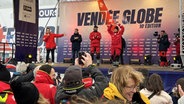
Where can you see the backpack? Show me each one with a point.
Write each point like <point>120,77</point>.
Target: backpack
<point>4,96</point>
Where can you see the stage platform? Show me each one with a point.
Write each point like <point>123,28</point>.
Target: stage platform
<point>168,74</point>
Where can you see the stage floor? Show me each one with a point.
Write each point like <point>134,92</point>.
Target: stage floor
<point>107,66</point>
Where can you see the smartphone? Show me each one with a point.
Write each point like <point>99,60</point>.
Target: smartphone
<point>80,57</point>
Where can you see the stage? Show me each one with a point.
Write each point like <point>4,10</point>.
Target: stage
<point>168,74</point>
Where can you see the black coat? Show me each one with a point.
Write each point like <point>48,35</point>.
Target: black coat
<point>163,43</point>
<point>76,43</point>
<point>95,91</point>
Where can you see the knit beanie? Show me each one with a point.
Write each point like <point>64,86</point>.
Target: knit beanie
<point>25,92</point>
<point>73,78</point>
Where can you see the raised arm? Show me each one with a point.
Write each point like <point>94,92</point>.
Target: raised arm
<point>58,35</point>
<point>122,29</point>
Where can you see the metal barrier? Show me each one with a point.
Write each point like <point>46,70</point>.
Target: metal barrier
<point>6,48</point>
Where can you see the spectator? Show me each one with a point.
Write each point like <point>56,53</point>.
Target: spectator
<point>72,82</point>
<point>27,93</point>
<point>175,92</point>
<point>154,90</point>
<point>5,89</point>
<point>181,93</point>
<point>123,85</point>
<point>145,73</point>
<point>44,81</point>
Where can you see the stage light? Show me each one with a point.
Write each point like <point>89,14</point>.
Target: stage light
<point>30,56</point>
<point>147,60</point>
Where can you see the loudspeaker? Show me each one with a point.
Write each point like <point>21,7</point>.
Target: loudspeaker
<point>67,60</point>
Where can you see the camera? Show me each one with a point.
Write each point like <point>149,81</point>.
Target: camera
<point>156,34</point>
<point>80,57</point>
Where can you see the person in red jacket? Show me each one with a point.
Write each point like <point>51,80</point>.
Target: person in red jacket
<point>5,88</point>
<point>44,81</point>
<point>116,44</point>
<point>177,44</point>
<point>49,39</point>
<point>95,38</point>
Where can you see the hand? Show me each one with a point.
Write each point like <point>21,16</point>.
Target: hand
<point>76,37</point>
<point>180,91</point>
<point>87,61</point>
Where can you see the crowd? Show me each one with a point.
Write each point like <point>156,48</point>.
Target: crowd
<point>84,84</point>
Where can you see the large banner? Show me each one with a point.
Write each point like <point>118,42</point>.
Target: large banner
<point>141,20</point>
<point>26,28</point>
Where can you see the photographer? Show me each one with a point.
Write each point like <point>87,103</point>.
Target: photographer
<point>163,46</point>
<point>72,82</point>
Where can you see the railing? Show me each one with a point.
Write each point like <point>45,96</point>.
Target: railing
<point>6,49</point>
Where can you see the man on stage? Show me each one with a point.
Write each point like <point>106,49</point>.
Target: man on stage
<point>49,39</point>
<point>116,44</point>
<point>95,38</point>
<point>163,46</point>
<point>76,40</point>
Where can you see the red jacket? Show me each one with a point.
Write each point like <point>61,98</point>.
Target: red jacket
<point>5,86</point>
<point>116,37</point>
<point>95,38</point>
<point>49,40</point>
<point>45,86</point>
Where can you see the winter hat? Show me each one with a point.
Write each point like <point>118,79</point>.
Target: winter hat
<point>30,67</point>
<point>4,73</point>
<point>25,92</point>
<point>73,78</point>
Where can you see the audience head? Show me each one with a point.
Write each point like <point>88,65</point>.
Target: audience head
<point>30,67</point>
<point>127,80</point>
<point>145,73</point>
<point>73,78</point>
<point>49,70</point>
<point>21,67</point>
<point>154,84</point>
<point>25,92</point>
<point>180,82</point>
<point>4,74</point>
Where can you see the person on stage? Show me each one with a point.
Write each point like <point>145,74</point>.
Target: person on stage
<point>95,38</point>
<point>163,46</point>
<point>122,50</point>
<point>76,40</point>
<point>177,44</point>
<point>49,39</point>
<point>116,44</point>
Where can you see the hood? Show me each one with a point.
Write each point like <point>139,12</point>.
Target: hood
<point>43,77</point>
<point>111,92</point>
<point>4,86</point>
